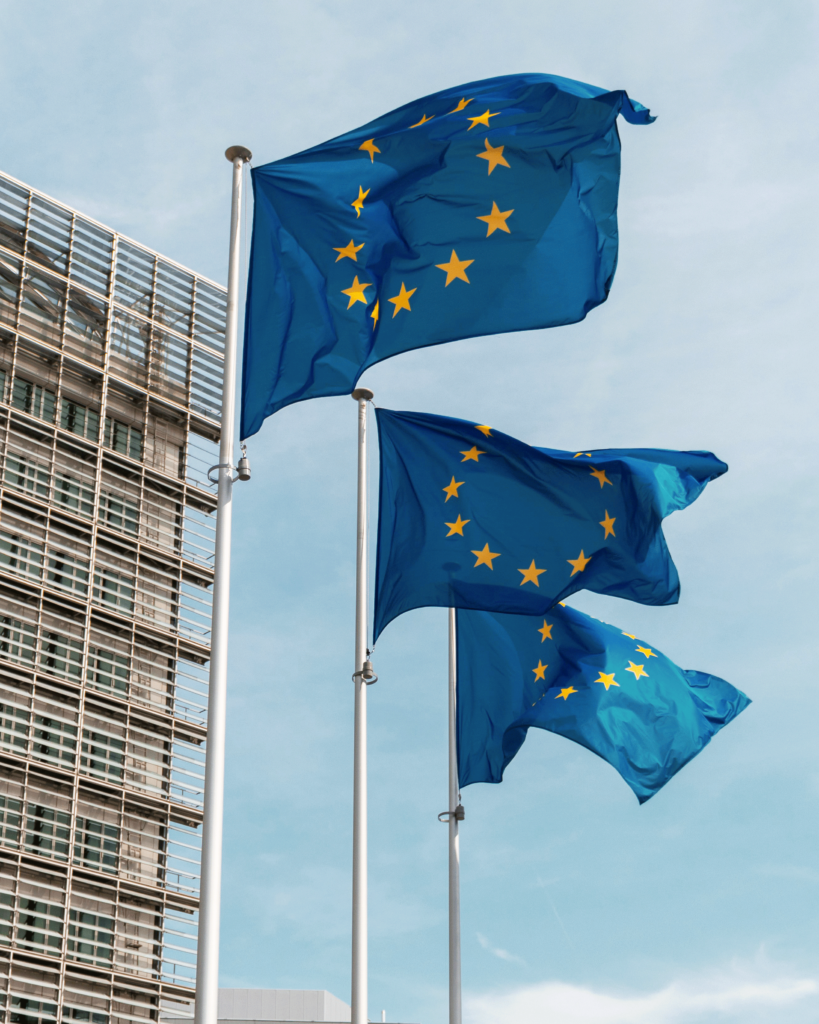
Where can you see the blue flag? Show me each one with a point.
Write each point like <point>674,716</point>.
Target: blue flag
<point>472,518</point>
<point>486,208</point>
<point>590,682</point>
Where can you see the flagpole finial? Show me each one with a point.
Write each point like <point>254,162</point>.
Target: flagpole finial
<point>364,393</point>
<point>241,151</point>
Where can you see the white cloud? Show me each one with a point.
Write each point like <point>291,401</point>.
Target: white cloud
<point>501,954</point>
<point>733,996</point>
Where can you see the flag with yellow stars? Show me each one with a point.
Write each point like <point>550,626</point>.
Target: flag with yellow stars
<point>487,208</point>
<point>472,518</point>
<point>572,675</point>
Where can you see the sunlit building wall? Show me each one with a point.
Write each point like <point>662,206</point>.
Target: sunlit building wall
<point>110,392</point>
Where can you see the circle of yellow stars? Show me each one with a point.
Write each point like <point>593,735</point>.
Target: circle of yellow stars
<point>605,679</point>
<point>531,574</point>
<point>485,556</point>
<point>456,268</point>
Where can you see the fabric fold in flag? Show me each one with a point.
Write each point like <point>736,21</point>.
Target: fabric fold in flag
<point>590,682</point>
<point>472,518</point>
<point>486,208</point>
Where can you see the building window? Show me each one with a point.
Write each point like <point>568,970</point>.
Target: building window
<point>47,831</point>
<point>33,399</point>
<point>102,755</point>
<point>79,419</point>
<point>39,924</point>
<point>6,916</point>
<point>26,475</point>
<point>74,1012</point>
<point>96,845</point>
<point>54,740</point>
<point>71,493</point>
<point>20,555</point>
<point>122,438</point>
<point>114,589</point>
<point>67,572</point>
<point>90,939</point>
<point>107,671</point>
<point>60,654</point>
<point>119,513</point>
<point>16,639</point>
<point>31,1011</point>
<point>11,819</point>
<point>13,738</point>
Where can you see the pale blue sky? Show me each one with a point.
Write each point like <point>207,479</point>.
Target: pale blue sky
<point>578,905</point>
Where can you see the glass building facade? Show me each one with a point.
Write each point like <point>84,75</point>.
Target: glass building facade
<point>111,362</point>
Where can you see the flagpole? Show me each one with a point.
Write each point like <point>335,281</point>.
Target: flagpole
<point>362,677</point>
<point>456,815</point>
<point>207,959</point>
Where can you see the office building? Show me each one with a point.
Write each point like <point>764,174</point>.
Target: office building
<point>110,391</point>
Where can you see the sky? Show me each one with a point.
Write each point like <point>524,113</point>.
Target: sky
<point>578,905</point>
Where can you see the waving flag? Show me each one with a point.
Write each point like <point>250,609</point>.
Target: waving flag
<point>472,518</point>
<point>486,208</point>
<point>580,678</point>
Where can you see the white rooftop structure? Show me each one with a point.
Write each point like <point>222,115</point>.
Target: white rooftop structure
<point>287,1005</point>
<point>281,1004</point>
<point>252,1005</point>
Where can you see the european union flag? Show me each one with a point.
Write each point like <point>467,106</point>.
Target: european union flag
<point>472,518</point>
<point>590,682</point>
<point>487,208</point>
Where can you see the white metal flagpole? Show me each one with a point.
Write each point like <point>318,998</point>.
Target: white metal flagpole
<point>362,676</point>
<point>207,959</point>
<point>456,815</point>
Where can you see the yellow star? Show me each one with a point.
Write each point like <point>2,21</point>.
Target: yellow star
<point>546,631</point>
<point>374,313</point>
<point>600,474</point>
<point>423,120</point>
<point>457,526</point>
<point>485,556</point>
<point>608,525</point>
<point>630,636</point>
<point>486,431</point>
<point>496,220</point>
<point>494,156</point>
<point>565,693</point>
<point>370,147</point>
<point>578,564</point>
<point>358,204</point>
<point>401,300</point>
<point>455,268</point>
<point>637,670</point>
<point>451,490</point>
<point>472,454</point>
<point>646,652</point>
<point>582,453</point>
<point>356,291</point>
<point>607,680</point>
<point>349,251</point>
<point>531,574</point>
<point>481,119</point>
<point>462,105</point>
<point>540,671</point>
